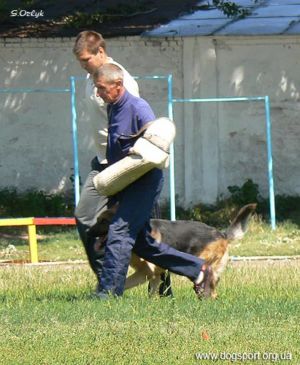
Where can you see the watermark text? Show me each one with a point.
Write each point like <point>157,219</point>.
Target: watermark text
<point>27,14</point>
<point>244,356</point>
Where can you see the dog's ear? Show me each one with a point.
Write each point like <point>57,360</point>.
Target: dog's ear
<point>155,233</point>
<point>103,222</point>
<point>108,214</point>
<point>105,216</point>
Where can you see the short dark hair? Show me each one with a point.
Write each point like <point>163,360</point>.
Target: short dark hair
<point>88,40</point>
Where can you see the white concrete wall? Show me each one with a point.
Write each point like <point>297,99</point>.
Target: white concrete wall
<point>231,136</point>
<point>217,144</point>
<point>36,140</point>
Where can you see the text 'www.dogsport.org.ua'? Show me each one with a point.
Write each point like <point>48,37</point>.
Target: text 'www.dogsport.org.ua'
<point>244,356</point>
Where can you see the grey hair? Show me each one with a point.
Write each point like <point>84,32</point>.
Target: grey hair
<point>110,72</point>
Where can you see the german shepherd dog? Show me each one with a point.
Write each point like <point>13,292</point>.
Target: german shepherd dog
<point>192,237</point>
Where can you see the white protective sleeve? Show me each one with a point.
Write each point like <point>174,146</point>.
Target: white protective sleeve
<point>149,151</point>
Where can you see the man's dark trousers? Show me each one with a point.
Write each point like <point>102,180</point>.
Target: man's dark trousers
<point>130,231</point>
<point>90,206</point>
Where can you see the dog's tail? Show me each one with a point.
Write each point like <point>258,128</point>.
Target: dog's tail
<point>239,226</point>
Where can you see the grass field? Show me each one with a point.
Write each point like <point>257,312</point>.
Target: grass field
<point>49,316</point>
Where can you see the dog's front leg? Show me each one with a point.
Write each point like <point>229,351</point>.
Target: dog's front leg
<point>135,279</point>
<point>143,271</point>
<point>154,286</point>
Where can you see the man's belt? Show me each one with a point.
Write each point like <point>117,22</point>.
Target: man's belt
<point>151,150</point>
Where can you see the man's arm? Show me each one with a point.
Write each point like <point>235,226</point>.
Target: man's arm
<point>145,114</point>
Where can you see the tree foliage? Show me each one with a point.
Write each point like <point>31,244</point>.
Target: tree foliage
<point>231,8</point>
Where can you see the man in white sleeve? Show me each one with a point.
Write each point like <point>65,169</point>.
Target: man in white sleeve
<point>90,50</point>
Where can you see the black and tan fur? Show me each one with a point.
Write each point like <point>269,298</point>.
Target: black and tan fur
<point>192,237</point>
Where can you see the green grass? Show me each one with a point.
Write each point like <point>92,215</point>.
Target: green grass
<point>55,246</point>
<point>48,316</point>
<point>260,240</point>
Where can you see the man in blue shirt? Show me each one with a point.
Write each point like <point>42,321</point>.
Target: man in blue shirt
<point>130,228</point>
<point>90,51</point>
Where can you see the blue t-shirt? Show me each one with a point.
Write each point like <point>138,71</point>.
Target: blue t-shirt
<point>125,118</point>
